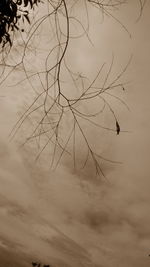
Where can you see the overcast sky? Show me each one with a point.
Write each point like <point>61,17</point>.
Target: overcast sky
<point>68,218</point>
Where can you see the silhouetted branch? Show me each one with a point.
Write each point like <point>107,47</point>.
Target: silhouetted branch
<point>64,95</point>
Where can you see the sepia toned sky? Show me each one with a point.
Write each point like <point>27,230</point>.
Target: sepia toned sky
<point>69,218</point>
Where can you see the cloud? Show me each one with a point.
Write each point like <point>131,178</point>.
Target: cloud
<point>68,218</point>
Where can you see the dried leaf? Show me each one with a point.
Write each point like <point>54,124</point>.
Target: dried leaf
<point>117,127</point>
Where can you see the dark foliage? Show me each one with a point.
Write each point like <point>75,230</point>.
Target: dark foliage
<point>10,14</point>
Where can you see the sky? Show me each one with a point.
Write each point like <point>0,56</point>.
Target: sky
<point>67,217</point>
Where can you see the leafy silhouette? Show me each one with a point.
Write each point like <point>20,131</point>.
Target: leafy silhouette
<point>10,14</point>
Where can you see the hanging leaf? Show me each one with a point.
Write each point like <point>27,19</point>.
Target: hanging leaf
<point>27,18</point>
<point>31,4</point>
<point>117,127</point>
<point>26,3</point>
